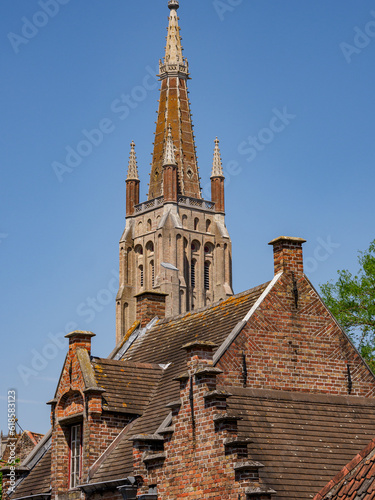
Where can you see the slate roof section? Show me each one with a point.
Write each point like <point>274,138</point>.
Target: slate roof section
<point>303,440</point>
<point>355,481</point>
<point>38,480</point>
<point>128,385</point>
<point>163,344</point>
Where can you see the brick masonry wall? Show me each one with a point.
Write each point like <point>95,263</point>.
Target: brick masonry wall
<point>197,464</point>
<point>295,348</point>
<point>99,428</point>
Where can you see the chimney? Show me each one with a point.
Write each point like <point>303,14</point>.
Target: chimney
<point>80,339</point>
<point>150,305</point>
<point>287,254</point>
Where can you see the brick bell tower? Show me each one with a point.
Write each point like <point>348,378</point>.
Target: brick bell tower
<point>175,243</point>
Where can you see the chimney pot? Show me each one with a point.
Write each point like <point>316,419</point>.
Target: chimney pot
<point>80,338</point>
<point>287,254</point>
<point>149,305</point>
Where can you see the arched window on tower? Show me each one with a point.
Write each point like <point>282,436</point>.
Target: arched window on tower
<point>152,273</point>
<point>208,225</point>
<point>192,273</point>
<point>140,276</point>
<point>196,224</point>
<point>206,275</point>
<point>149,225</point>
<point>125,317</point>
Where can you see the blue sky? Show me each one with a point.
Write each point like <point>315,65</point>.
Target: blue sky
<point>251,62</point>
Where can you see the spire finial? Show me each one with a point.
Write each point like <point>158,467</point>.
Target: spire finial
<point>173,49</point>
<point>169,156</point>
<point>217,166</point>
<point>132,166</point>
<point>173,4</point>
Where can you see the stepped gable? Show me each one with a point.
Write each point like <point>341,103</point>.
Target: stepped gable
<point>38,480</point>
<point>163,344</point>
<point>302,439</point>
<point>129,386</point>
<point>356,480</point>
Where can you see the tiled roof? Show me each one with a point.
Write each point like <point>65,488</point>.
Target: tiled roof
<point>38,481</point>
<point>163,344</point>
<point>128,385</point>
<point>355,481</point>
<point>303,440</point>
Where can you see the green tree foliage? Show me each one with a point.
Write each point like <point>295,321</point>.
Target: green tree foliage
<point>352,301</point>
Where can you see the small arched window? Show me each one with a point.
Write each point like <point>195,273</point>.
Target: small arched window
<point>139,250</point>
<point>125,317</point>
<point>152,273</point>
<point>149,225</point>
<point>140,274</point>
<point>208,225</point>
<point>196,224</point>
<point>192,273</point>
<point>206,275</point>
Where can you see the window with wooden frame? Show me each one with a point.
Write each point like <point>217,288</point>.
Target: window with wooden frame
<point>75,455</point>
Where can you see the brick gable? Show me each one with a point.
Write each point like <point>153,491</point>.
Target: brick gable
<point>296,348</point>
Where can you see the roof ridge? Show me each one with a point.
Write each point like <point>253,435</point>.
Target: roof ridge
<point>214,304</point>
<point>301,397</point>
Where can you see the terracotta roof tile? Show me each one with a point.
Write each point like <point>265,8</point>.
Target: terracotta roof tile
<point>38,480</point>
<point>303,440</point>
<point>128,385</point>
<point>162,344</point>
<point>355,481</point>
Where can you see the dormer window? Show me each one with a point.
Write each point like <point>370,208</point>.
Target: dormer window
<point>75,455</point>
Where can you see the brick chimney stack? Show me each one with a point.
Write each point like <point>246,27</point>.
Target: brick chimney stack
<point>287,254</point>
<point>150,305</point>
<point>80,339</point>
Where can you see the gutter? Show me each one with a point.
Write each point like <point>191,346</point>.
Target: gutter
<point>106,485</point>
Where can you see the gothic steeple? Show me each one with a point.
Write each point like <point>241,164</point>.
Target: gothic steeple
<point>217,180</point>
<point>175,250</point>
<point>217,166</point>
<point>174,109</point>
<point>132,182</point>
<point>132,165</point>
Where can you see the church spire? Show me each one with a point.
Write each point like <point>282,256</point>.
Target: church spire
<point>217,180</point>
<point>132,183</point>
<point>217,166</point>
<point>174,110</point>
<point>169,170</point>
<point>169,156</point>
<point>173,49</point>
<point>132,165</point>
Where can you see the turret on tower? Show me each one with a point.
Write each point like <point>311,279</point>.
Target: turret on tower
<point>175,226</point>
<point>132,182</point>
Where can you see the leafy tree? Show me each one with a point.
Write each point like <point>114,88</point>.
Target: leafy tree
<point>352,301</point>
